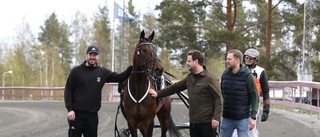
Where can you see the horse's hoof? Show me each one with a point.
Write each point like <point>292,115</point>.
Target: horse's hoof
<point>124,132</point>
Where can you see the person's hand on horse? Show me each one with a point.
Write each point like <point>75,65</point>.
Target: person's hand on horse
<point>71,115</point>
<point>153,93</point>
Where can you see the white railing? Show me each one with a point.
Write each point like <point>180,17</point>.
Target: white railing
<point>293,94</point>
<point>296,94</point>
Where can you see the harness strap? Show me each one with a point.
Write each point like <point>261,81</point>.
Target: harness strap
<point>122,106</point>
<point>159,105</point>
<point>144,96</point>
<point>116,131</point>
<point>170,75</point>
<point>160,101</point>
<point>137,71</point>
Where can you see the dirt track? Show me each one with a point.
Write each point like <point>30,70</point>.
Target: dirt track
<point>48,119</point>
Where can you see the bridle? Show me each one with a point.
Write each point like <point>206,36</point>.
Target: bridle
<point>158,82</point>
<point>150,72</point>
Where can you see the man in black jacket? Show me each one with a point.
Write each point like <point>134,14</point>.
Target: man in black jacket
<point>82,93</point>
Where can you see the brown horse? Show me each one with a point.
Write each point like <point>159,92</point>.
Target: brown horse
<point>139,107</point>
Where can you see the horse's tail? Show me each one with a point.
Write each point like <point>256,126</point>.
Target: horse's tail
<point>173,130</point>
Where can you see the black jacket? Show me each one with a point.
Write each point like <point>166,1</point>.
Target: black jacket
<point>84,84</point>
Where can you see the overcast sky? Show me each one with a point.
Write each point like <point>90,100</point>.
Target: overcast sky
<point>35,12</point>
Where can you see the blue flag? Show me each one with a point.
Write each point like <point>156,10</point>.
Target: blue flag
<point>118,14</point>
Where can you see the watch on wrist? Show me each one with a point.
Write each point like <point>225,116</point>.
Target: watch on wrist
<point>254,118</point>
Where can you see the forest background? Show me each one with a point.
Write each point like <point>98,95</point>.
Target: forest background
<point>274,28</point>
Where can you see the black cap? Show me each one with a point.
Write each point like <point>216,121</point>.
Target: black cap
<point>92,49</point>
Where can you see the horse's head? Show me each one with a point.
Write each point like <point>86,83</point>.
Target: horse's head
<point>146,57</point>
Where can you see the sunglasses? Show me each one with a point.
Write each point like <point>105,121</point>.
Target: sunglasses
<point>250,58</point>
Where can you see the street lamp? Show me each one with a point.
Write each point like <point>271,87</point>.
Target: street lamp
<point>10,71</point>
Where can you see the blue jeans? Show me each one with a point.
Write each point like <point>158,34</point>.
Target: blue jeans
<point>228,125</point>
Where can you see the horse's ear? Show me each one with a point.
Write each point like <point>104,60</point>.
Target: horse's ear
<point>151,36</point>
<point>142,34</point>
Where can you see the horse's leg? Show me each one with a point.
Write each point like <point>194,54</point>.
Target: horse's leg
<point>163,116</point>
<point>164,123</point>
<point>133,129</point>
<point>132,122</point>
<point>146,127</point>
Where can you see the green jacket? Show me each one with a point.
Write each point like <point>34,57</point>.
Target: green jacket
<point>205,98</point>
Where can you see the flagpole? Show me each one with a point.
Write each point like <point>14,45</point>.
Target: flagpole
<point>113,39</point>
<point>125,16</point>
<point>122,51</point>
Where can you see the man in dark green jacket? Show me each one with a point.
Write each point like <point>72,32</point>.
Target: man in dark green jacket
<point>204,93</point>
<point>240,102</point>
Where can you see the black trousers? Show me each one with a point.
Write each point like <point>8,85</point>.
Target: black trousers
<point>86,124</point>
<point>202,130</point>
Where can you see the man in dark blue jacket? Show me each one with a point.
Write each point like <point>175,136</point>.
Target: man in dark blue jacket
<point>82,93</point>
<point>240,99</point>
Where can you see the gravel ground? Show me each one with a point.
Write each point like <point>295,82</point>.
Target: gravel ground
<point>282,123</point>
<point>48,119</point>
